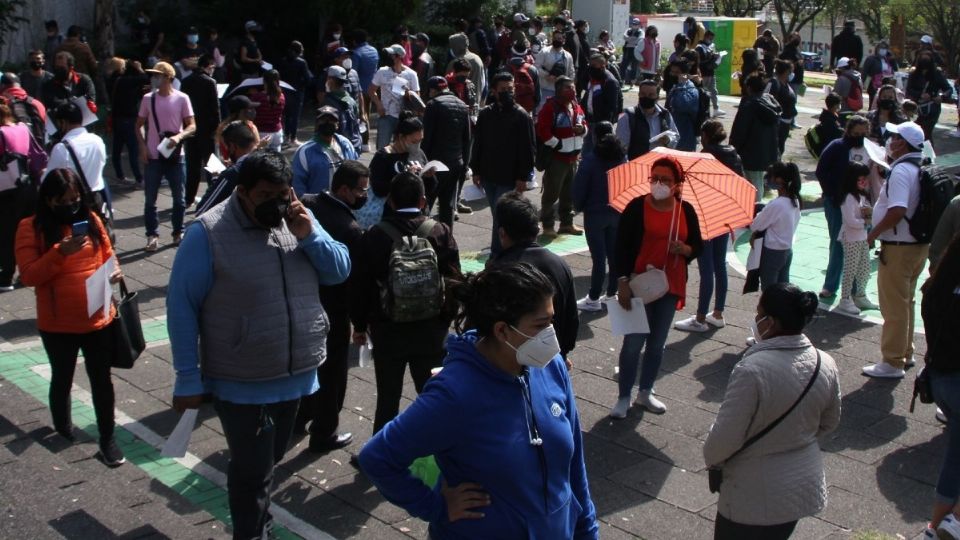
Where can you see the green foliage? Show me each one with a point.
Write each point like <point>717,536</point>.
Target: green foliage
<point>10,18</point>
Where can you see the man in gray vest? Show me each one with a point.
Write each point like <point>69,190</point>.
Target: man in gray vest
<point>246,323</point>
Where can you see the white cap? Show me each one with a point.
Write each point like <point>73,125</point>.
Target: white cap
<point>337,72</point>
<point>251,25</point>
<point>909,131</point>
<point>843,62</point>
<point>520,18</point>
<point>927,39</point>
<point>395,50</point>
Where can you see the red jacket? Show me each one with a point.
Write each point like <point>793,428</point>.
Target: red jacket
<point>555,126</point>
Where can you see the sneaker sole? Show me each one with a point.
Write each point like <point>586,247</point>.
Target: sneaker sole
<point>111,464</point>
<point>877,376</point>
<point>590,309</point>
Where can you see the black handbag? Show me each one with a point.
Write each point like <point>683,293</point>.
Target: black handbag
<point>715,474</point>
<point>175,153</point>
<point>128,342</point>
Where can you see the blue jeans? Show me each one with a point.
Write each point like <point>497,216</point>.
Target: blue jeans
<point>125,136</point>
<point>600,228</point>
<point>628,66</point>
<point>775,267</point>
<point>291,113</point>
<point>494,192</point>
<point>831,211</point>
<point>386,125</point>
<point>660,317</point>
<point>174,172</point>
<point>946,392</point>
<point>713,266</point>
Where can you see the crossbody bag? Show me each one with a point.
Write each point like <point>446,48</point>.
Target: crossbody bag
<point>652,284</point>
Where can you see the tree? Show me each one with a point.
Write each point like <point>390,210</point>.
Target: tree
<point>738,8</point>
<point>10,17</point>
<point>800,13</point>
<point>943,18</point>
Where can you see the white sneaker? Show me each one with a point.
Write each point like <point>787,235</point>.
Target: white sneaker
<point>883,370</point>
<point>719,112</point>
<point>715,322</point>
<point>532,185</point>
<point>942,418</point>
<point>588,304</point>
<point>863,302</point>
<point>910,362</point>
<point>847,306</point>
<point>153,243</point>
<point>691,325</point>
<point>650,403</point>
<point>955,134</point>
<point>949,528</point>
<point>620,409</point>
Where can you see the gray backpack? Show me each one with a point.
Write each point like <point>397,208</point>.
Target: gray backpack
<point>413,290</point>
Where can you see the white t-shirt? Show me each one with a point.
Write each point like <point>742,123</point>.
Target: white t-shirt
<point>860,155</point>
<point>901,190</point>
<point>780,219</point>
<point>91,153</point>
<point>391,92</point>
<point>854,226</point>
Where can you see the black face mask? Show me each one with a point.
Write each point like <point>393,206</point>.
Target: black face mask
<point>597,73</point>
<point>358,202</point>
<point>557,44</point>
<point>270,213</point>
<point>925,64</point>
<point>61,73</point>
<point>37,65</point>
<point>887,104</point>
<point>647,102</point>
<point>66,213</point>
<point>856,142</point>
<point>506,99</point>
<point>326,130</point>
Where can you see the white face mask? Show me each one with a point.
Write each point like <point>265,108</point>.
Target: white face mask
<point>660,192</point>
<point>336,36</point>
<point>755,330</point>
<point>155,82</point>
<point>888,146</point>
<point>538,350</point>
<point>347,64</point>
<point>532,31</point>
<point>790,78</point>
<point>882,52</point>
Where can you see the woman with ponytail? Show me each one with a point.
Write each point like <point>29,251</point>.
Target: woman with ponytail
<point>269,119</point>
<point>778,222</point>
<point>768,486</point>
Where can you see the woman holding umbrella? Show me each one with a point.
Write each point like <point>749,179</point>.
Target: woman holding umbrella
<point>658,233</point>
<point>269,117</point>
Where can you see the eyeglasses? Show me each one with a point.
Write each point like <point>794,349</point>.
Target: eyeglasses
<point>665,180</point>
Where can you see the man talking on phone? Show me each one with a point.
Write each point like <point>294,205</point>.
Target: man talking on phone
<point>246,323</point>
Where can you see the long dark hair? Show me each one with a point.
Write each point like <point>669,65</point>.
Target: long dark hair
<point>851,176</point>
<point>501,293</point>
<point>790,174</point>
<point>792,307</point>
<point>271,84</point>
<point>54,185</point>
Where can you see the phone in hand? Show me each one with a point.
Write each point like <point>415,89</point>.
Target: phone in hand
<point>80,228</point>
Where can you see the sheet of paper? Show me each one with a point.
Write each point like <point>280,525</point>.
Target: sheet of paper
<point>399,86</point>
<point>876,152</point>
<point>753,259</point>
<point>435,165</point>
<point>267,66</point>
<point>179,440</point>
<point>51,129</point>
<point>928,152</point>
<point>88,116</point>
<point>221,90</point>
<point>99,290</point>
<point>214,165</point>
<point>672,134</point>
<point>472,193</point>
<point>164,149</point>
<point>623,322</point>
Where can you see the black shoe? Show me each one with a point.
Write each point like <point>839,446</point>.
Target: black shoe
<point>110,454</point>
<point>464,209</point>
<point>66,432</point>
<point>355,461</point>
<point>333,442</point>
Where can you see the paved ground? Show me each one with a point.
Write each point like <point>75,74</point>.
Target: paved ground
<point>646,472</point>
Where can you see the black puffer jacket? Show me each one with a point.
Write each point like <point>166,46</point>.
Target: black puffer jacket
<point>446,130</point>
<point>727,155</point>
<point>754,132</point>
<point>940,309</point>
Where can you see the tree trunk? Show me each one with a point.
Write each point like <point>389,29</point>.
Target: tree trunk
<point>104,31</point>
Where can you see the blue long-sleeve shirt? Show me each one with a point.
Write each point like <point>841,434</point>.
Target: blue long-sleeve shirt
<point>312,167</point>
<point>191,280</point>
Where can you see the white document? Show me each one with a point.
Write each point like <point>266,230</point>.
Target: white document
<point>877,153</point>
<point>366,353</point>
<point>928,152</point>
<point>165,150</point>
<point>99,290</point>
<point>267,66</point>
<point>221,90</point>
<point>435,165</point>
<point>623,322</point>
<point>671,133</point>
<point>399,86</point>
<point>214,165</point>
<point>472,193</point>
<point>753,259</point>
<point>720,57</point>
<point>177,442</point>
<point>88,116</point>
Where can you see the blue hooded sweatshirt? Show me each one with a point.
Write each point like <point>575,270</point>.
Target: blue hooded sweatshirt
<point>476,420</point>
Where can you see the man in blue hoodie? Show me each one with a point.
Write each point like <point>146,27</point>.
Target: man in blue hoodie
<point>315,162</point>
<point>246,323</point>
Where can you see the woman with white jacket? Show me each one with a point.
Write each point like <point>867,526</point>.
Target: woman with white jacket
<point>778,479</point>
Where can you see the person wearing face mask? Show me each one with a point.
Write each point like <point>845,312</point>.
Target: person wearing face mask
<point>336,96</point>
<point>878,65</point>
<point>754,131</point>
<point>258,325</point>
<point>582,63</point>
<point>887,111</point>
<point>780,88</point>
<point>769,486</point>
<point>846,44</point>
<point>201,88</point>
<point>562,127</point>
<point>423,62</point>
<point>66,83</point>
<point>830,169</point>
<point>126,90</point>
<point>791,53</point>
<point>86,62</point>
<point>778,223</point>
<point>239,140</point>
<point>239,108</point>
<point>315,162</point>
<point>57,265</point>
<point>460,52</point>
<point>390,86</point>
<point>849,86</point>
<point>518,464</point>
<point>447,138</point>
<point>856,210</point>
<point>190,50</point>
<point>645,122</point>
<point>603,97</point>
<point>334,210</point>
<point>633,37</point>
<point>551,64</point>
<point>648,55</point>
<point>708,59</point>
<point>249,55</point>
<point>398,343</point>
<point>656,230</point>
<point>35,76</point>
<point>927,86</point>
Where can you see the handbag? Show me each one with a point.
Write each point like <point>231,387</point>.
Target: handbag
<point>175,153</point>
<point>715,474</point>
<point>652,284</point>
<point>128,342</point>
<point>23,182</point>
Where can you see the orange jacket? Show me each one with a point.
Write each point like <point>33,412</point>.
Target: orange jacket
<point>60,281</point>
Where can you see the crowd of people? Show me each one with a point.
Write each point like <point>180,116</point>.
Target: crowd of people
<point>296,250</point>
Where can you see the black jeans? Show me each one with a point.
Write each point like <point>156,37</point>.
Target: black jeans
<point>125,136</point>
<point>9,220</point>
<point>323,406</point>
<point>730,530</point>
<point>257,437</point>
<point>447,193</point>
<point>62,352</point>
<point>389,369</point>
<point>198,152</point>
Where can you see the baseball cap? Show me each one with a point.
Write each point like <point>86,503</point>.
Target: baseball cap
<point>843,62</point>
<point>337,72</point>
<point>240,103</point>
<point>909,131</point>
<point>634,21</point>
<point>395,50</point>
<point>422,37</point>
<point>436,83</point>
<point>68,111</point>
<point>520,18</point>
<point>927,39</point>
<point>9,79</point>
<point>251,25</point>
<point>340,51</point>
<point>328,112</point>
<point>163,68</point>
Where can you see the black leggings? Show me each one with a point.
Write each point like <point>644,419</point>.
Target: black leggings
<point>730,530</point>
<point>62,351</point>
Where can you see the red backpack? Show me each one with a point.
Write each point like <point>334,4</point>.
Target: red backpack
<point>524,89</point>
<point>855,97</point>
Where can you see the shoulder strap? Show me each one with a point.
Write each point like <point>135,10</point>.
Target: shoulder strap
<point>76,163</point>
<point>393,232</point>
<point>156,120</point>
<point>425,228</point>
<point>769,428</point>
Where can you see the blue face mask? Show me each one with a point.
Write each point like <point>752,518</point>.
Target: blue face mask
<point>193,39</point>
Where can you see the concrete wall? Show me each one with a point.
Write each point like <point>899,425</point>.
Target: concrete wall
<point>31,34</point>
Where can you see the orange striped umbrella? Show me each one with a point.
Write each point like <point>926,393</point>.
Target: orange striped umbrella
<point>723,199</point>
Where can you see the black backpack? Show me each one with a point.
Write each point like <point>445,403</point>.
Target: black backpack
<point>937,189</point>
<point>25,110</point>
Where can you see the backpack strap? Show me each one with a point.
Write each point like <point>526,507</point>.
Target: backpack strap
<point>84,186</point>
<point>394,233</point>
<point>425,228</point>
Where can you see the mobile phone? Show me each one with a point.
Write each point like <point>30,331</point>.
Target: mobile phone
<point>80,228</point>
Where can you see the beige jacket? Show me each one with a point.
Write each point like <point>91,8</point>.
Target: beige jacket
<point>780,477</point>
